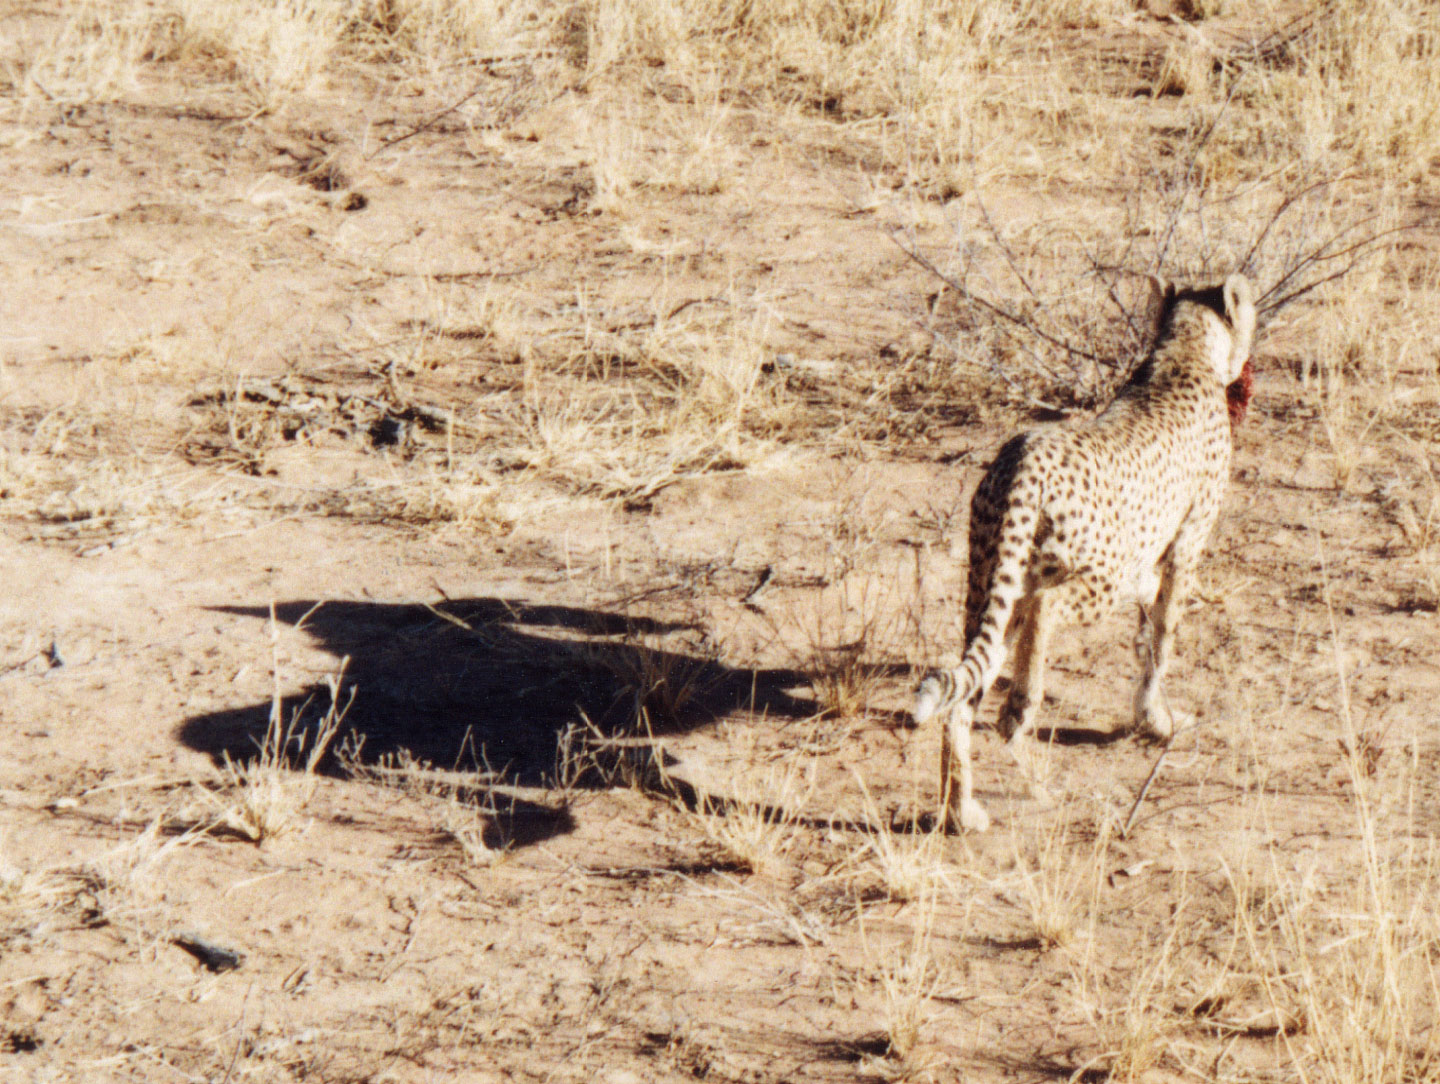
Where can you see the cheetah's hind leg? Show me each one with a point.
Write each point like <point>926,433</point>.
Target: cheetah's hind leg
<point>958,808</point>
<point>1016,721</point>
<point>1032,625</point>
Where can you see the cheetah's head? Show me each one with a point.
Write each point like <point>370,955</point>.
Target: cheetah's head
<point>1230,320</point>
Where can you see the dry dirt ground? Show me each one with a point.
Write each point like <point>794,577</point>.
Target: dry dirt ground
<point>419,394</point>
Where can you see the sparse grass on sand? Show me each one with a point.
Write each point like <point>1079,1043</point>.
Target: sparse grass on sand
<point>654,347</point>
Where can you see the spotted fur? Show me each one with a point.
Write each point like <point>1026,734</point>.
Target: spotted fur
<point>1072,520</point>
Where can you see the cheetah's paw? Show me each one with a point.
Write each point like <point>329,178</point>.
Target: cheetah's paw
<point>973,817</point>
<point>1161,724</point>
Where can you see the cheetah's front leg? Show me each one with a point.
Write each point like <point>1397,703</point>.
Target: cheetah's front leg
<point>1155,638</point>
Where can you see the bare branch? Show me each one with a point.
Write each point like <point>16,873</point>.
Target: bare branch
<point>1020,322</point>
<point>1280,211</point>
<point>1145,786</point>
<point>1357,252</point>
<point>1004,248</point>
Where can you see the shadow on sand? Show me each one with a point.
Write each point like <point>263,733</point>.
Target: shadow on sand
<point>496,684</point>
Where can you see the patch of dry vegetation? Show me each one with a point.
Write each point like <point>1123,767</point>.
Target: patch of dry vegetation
<point>932,105</point>
<point>263,796</point>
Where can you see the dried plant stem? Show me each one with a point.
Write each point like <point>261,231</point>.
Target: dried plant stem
<point>1145,787</point>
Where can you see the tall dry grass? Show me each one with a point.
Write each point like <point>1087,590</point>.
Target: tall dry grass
<point>935,89</point>
<point>1364,83</point>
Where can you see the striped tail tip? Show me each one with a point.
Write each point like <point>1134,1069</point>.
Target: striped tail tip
<point>928,698</point>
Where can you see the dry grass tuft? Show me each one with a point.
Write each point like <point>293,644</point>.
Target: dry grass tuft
<point>909,978</point>
<point>1059,888</point>
<point>265,796</point>
<point>911,865</point>
<point>763,819</point>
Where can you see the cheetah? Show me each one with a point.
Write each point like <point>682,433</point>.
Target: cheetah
<point>1072,520</point>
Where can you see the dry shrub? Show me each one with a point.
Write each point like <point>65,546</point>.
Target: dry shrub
<point>1350,967</point>
<point>95,53</point>
<point>463,501</point>
<point>909,982</point>
<point>624,416</point>
<point>944,83</point>
<point>435,30</point>
<point>851,633</point>
<point>1060,891</point>
<point>911,864</point>
<point>278,49</point>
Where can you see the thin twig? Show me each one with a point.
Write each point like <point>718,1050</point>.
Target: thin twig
<point>1279,213</point>
<point>1109,275</point>
<point>15,669</point>
<point>1149,779</point>
<point>1004,248</point>
<point>426,125</point>
<point>1359,250</point>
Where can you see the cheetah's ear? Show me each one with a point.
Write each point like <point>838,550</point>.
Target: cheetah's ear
<point>1240,311</point>
<point>1239,298</point>
<point>1162,293</point>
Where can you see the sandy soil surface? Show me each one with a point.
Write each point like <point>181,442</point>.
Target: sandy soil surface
<point>384,397</point>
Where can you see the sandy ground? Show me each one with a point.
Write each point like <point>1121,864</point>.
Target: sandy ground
<point>385,401</point>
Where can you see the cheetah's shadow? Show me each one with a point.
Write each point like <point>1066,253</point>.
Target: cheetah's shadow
<point>498,684</point>
<point>1079,735</point>
<point>1052,733</point>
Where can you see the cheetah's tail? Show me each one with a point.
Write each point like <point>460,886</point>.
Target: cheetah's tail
<point>941,690</point>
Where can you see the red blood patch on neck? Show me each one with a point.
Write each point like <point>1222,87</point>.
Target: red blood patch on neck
<point>1237,395</point>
